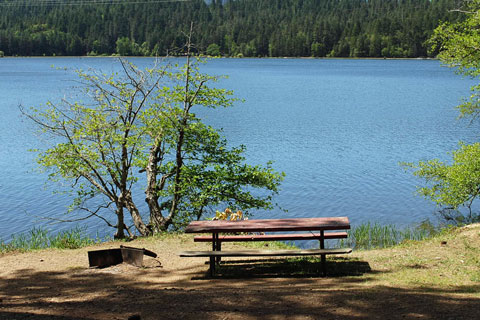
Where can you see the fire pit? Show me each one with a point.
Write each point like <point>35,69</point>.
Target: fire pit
<point>110,257</point>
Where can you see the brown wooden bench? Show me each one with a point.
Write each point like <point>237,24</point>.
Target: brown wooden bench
<point>264,253</point>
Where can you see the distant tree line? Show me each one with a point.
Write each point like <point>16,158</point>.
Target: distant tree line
<point>249,28</point>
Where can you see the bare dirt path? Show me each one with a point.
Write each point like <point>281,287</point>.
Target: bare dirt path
<point>57,284</point>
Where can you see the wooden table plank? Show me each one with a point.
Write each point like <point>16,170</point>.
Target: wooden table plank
<point>269,225</point>
<point>265,253</point>
<point>272,237</point>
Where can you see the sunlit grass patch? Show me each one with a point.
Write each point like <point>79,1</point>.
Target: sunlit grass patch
<point>448,259</point>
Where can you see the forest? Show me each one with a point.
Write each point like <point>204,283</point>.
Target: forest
<point>232,28</point>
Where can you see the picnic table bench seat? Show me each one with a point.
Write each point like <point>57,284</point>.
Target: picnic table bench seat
<point>263,253</point>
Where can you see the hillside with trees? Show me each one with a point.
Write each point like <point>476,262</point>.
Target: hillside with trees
<point>249,28</point>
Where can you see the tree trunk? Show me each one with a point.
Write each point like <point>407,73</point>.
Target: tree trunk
<point>136,217</point>
<point>120,224</point>
<point>178,171</point>
<point>151,197</point>
<point>158,223</point>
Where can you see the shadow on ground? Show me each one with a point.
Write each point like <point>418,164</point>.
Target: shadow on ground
<point>34,316</point>
<point>84,294</point>
<point>291,268</point>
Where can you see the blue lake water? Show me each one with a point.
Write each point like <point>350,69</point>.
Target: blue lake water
<point>337,128</point>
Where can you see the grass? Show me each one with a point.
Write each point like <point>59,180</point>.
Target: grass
<point>449,258</point>
<point>269,245</point>
<point>366,236</point>
<point>40,238</point>
<point>424,256</point>
<point>370,236</point>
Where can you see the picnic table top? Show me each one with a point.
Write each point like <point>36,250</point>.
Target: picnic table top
<point>269,225</point>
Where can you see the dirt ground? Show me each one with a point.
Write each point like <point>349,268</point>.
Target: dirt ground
<point>58,284</point>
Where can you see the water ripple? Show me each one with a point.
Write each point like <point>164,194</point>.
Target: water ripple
<point>337,128</point>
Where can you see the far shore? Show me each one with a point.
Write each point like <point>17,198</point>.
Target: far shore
<point>226,57</point>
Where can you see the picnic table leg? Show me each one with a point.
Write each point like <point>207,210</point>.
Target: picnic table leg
<point>212,267</point>
<point>214,248</point>
<point>219,247</point>
<point>322,246</point>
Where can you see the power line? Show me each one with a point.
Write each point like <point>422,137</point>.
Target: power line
<point>38,3</point>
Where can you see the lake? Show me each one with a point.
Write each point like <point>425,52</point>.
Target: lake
<point>337,128</point>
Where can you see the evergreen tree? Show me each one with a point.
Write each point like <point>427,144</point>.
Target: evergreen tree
<point>347,28</point>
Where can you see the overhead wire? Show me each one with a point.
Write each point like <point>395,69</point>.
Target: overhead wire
<point>38,3</point>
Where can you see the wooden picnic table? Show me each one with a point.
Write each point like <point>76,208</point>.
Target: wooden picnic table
<point>217,227</point>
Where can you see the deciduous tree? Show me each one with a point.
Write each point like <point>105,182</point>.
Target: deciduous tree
<point>456,185</point>
<point>138,128</point>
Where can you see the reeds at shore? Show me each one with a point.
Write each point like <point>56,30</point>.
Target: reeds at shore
<point>374,235</point>
<point>364,237</point>
<point>40,238</point>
